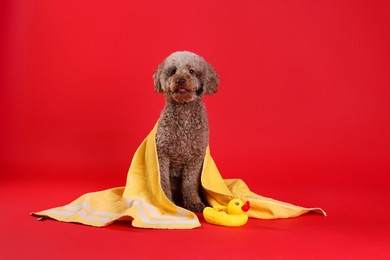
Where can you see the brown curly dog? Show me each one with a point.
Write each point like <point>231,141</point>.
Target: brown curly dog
<point>183,134</point>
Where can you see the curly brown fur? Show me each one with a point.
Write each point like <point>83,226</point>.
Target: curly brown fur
<point>183,134</point>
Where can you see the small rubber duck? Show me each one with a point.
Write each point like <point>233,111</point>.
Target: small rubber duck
<point>234,215</point>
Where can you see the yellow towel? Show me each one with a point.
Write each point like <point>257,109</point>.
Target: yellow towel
<point>143,201</point>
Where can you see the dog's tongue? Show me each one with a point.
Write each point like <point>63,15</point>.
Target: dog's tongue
<point>182,90</point>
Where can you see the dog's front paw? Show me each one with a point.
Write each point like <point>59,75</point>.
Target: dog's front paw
<point>195,207</point>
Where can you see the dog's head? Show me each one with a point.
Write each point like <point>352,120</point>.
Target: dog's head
<point>184,77</point>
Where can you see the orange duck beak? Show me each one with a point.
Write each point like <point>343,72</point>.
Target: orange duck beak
<point>246,206</point>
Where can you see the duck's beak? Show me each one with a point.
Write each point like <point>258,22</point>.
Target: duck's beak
<point>246,206</point>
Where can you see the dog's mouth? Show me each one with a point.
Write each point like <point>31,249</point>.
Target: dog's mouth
<point>186,90</point>
<point>183,94</point>
<point>181,90</point>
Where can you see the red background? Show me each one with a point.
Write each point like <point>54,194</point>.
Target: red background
<point>302,115</point>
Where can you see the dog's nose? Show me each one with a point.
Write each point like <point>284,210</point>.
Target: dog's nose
<point>181,81</point>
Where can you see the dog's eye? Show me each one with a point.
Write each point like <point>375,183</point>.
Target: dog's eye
<point>192,71</point>
<point>172,72</point>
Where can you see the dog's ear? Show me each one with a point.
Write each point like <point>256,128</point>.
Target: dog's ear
<point>156,78</point>
<point>210,80</point>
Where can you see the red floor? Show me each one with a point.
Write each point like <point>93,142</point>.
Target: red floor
<point>357,227</point>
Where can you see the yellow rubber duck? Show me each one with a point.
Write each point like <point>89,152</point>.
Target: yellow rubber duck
<point>234,215</point>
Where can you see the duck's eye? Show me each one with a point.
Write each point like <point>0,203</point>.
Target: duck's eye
<point>192,71</point>
<point>172,72</point>
<point>237,203</point>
